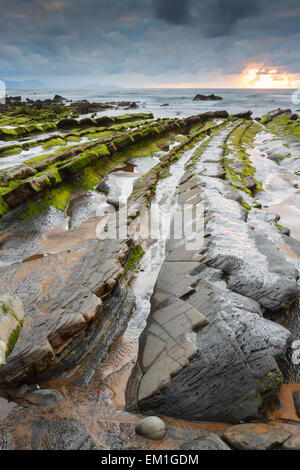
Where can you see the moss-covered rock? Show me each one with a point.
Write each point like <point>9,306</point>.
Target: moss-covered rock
<point>11,321</point>
<point>38,175</point>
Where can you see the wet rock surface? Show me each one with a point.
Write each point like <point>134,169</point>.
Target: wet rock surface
<point>45,339</point>
<point>209,442</point>
<point>228,281</point>
<point>58,435</point>
<point>255,437</point>
<point>223,327</point>
<point>85,300</point>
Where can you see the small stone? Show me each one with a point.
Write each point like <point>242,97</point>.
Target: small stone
<point>152,428</point>
<point>296,396</point>
<point>255,436</point>
<point>293,443</point>
<point>44,397</point>
<point>209,442</point>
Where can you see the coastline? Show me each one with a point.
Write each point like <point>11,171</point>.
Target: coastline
<point>51,251</point>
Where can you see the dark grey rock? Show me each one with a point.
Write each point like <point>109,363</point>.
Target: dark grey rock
<point>245,115</point>
<point>296,397</point>
<point>211,97</point>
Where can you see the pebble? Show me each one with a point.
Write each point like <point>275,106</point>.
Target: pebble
<point>152,428</point>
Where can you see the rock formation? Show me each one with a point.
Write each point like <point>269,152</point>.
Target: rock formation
<point>211,97</point>
<point>207,352</point>
<point>223,325</point>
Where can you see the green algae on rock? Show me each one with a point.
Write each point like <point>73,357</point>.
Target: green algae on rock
<point>74,160</point>
<point>11,321</point>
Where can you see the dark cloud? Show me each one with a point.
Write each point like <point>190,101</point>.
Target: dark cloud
<point>213,18</point>
<point>173,11</point>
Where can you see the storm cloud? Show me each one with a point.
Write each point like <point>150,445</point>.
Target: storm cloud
<point>213,18</point>
<point>172,11</point>
<point>145,42</point>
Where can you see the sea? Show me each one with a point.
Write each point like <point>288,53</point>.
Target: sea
<point>180,101</point>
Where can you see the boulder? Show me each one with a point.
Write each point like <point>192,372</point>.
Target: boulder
<point>211,97</point>
<point>58,99</point>
<point>253,436</point>
<point>293,116</point>
<point>274,114</point>
<point>88,122</point>
<point>133,105</point>
<point>152,428</point>
<point>245,115</point>
<point>105,121</point>
<point>67,123</point>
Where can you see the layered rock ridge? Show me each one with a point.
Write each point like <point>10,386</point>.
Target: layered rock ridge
<point>77,298</point>
<point>207,352</point>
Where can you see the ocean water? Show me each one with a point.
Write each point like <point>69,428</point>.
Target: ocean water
<point>180,100</point>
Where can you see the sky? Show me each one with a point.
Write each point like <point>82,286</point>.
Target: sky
<point>151,43</point>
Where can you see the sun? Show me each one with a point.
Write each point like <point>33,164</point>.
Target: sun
<point>255,76</point>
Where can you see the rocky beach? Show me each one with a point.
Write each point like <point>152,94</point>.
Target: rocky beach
<point>116,337</point>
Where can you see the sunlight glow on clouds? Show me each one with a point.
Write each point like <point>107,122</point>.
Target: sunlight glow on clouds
<point>258,76</point>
